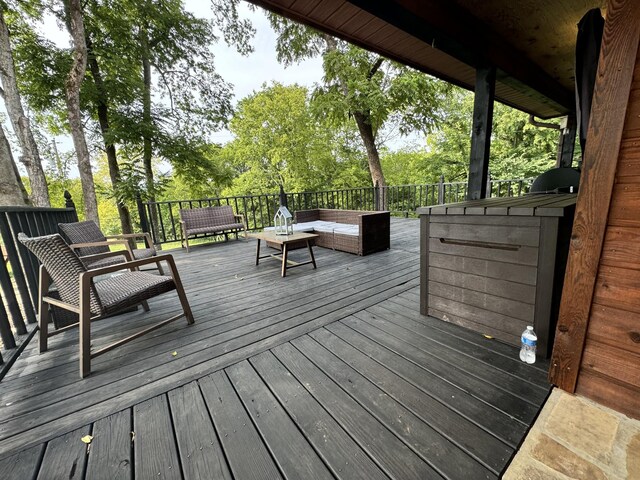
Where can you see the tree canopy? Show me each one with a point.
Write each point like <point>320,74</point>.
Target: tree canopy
<point>362,87</point>
<point>151,96</point>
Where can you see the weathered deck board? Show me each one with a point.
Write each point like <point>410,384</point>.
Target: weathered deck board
<point>248,457</point>
<point>156,455</point>
<point>343,455</point>
<point>200,451</point>
<point>330,373</point>
<point>294,455</point>
<point>111,448</point>
<point>65,456</point>
<point>397,459</point>
<point>403,421</point>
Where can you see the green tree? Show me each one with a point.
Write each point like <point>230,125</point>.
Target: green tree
<point>518,148</point>
<point>362,87</point>
<point>10,93</point>
<point>154,91</point>
<point>278,141</point>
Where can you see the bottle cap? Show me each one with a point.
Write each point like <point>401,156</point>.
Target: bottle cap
<point>529,327</point>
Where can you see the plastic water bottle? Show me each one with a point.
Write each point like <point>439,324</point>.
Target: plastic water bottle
<point>528,342</point>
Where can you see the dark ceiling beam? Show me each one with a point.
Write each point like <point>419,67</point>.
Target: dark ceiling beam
<point>453,30</point>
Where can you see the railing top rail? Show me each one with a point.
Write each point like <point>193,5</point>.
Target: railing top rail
<point>211,199</point>
<point>412,185</point>
<point>524,179</point>
<point>34,209</point>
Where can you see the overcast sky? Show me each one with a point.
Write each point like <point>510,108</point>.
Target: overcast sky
<point>247,74</point>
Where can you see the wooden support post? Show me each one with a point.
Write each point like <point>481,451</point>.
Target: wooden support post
<point>481,132</point>
<point>566,143</point>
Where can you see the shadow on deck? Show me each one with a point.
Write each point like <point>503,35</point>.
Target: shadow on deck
<point>329,373</point>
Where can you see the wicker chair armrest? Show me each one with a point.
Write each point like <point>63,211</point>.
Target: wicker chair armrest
<point>94,272</point>
<point>99,256</point>
<point>124,236</point>
<point>129,235</point>
<point>75,246</point>
<point>239,216</point>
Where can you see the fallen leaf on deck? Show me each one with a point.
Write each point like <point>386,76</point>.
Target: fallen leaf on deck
<point>87,439</point>
<point>174,354</point>
<point>487,336</point>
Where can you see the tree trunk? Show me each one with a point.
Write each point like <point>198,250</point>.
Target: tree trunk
<point>373,157</point>
<point>12,191</point>
<point>366,133</point>
<point>147,148</point>
<point>30,157</point>
<point>110,148</point>
<point>363,120</point>
<point>73,83</point>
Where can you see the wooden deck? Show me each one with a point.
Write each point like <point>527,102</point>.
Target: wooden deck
<point>328,373</point>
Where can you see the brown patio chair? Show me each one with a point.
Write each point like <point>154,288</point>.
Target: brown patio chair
<point>92,246</point>
<point>80,292</point>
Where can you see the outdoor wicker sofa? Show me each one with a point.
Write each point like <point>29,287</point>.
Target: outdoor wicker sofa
<point>352,231</point>
<point>210,220</point>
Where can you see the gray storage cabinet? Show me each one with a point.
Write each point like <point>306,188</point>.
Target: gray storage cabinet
<point>497,265</point>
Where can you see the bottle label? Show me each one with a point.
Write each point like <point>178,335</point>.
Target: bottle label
<point>528,342</point>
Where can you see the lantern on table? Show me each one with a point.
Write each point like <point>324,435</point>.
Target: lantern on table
<point>283,222</point>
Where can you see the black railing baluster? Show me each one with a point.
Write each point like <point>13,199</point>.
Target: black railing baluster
<point>13,254</point>
<point>173,222</point>
<point>29,262</point>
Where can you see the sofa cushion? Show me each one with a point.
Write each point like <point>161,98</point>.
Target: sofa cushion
<point>297,227</point>
<point>324,226</point>
<point>345,229</point>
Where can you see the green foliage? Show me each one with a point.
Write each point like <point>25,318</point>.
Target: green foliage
<point>190,99</point>
<point>356,80</point>
<point>279,142</point>
<point>518,149</point>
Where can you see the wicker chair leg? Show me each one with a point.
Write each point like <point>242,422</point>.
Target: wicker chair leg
<point>43,310</point>
<point>145,306</point>
<point>85,326</point>
<point>186,308</point>
<point>185,237</point>
<point>160,269</point>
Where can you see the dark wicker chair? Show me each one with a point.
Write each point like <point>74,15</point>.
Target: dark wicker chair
<point>79,292</point>
<point>92,246</point>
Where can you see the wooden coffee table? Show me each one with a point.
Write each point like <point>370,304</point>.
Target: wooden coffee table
<point>283,241</point>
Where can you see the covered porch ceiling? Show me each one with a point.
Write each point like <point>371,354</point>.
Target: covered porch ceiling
<point>531,42</point>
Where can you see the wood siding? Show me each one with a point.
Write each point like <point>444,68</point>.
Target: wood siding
<point>610,367</point>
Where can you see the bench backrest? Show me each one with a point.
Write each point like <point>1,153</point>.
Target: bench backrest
<point>207,216</point>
